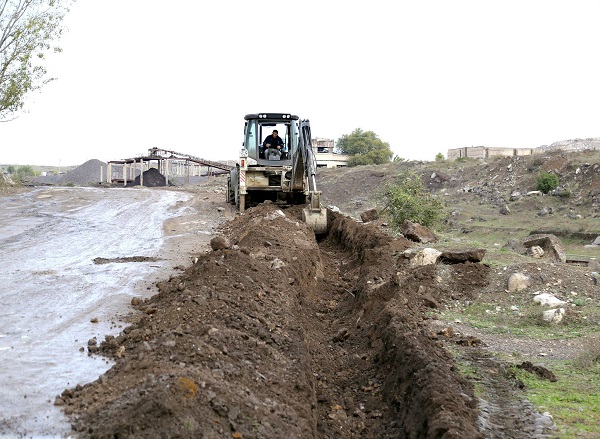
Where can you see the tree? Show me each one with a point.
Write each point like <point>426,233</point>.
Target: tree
<point>28,29</point>
<point>365,148</point>
<point>408,199</point>
<point>439,157</point>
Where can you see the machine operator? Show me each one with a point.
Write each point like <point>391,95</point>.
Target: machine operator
<point>273,141</point>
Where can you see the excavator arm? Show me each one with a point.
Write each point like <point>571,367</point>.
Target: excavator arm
<point>305,161</point>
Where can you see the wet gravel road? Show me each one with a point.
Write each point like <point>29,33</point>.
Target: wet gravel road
<point>53,298</point>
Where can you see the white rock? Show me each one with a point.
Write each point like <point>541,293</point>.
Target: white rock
<point>277,263</point>
<point>518,282</point>
<point>426,256</point>
<point>536,251</point>
<point>554,315</point>
<point>547,299</point>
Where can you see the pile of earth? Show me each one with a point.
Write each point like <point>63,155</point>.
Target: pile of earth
<point>151,178</point>
<point>574,144</point>
<point>91,172</point>
<point>494,182</point>
<point>276,334</point>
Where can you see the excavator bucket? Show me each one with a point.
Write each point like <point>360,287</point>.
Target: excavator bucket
<point>314,215</point>
<point>316,219</point>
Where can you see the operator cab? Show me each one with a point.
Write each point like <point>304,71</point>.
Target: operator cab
<point>259,126</point>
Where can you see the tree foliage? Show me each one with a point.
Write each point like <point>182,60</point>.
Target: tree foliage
<point>28,30</point>
<point>546,182</point>
<point>408,199</point>
<point>364,148</point>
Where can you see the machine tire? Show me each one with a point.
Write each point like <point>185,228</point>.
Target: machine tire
<point>230,197</point>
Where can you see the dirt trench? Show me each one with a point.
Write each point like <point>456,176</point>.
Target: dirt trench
<point>281,335</point>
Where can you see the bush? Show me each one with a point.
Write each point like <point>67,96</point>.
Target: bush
<point>546,182</point>
<point>407,199</point>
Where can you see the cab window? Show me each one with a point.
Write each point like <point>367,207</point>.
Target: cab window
<point>252,139</point>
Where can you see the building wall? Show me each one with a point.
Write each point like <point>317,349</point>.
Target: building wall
<point>483,152</point>
<point>326,158</point>
<point>330,160</point>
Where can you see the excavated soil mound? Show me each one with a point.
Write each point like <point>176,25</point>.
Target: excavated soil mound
<point>283,336</point>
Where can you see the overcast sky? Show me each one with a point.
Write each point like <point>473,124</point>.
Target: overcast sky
<point>425,76</point>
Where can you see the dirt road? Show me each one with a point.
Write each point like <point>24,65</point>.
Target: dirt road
<point>55,296</point>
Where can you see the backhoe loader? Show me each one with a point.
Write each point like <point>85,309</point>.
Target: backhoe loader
<point>285,175</point>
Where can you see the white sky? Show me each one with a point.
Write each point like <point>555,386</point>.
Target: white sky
<point>425,76</point>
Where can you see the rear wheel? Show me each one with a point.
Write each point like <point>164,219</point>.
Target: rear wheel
<point>230,197</point>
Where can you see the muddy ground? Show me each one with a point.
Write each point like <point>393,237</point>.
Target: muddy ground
<point>284,334</point>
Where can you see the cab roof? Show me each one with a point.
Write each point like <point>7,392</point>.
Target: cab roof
<point>271,116</point>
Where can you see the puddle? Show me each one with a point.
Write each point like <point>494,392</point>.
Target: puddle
<point>52,290</point>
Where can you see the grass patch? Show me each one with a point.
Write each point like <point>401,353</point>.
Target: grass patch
<point>526,320</point>
<point>573,401</point>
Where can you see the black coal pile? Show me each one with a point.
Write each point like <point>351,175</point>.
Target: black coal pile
<point>46,180</point>
<point>151,178</point>
<point>91,172</point>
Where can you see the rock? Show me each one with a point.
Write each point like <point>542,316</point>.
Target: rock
<point>540,371</point>
<point>430,302</point>
<point>547,299</point>
<point>545,211</point>
<point>536,251</point>
<point>553,248</point>
<point>554,315</point>
<point>219,243</point>
<point>369,215</point>
<point>516,246</point>
<point>461,256</point>
<point>504,210</point>
<point>534,193</point>
<point>596,241</point>
<point>418,233</point>
<point>518,282</point>
<point>277,263</point>
<point>514,196</point>
<point>426,256</point>
<point>341,335</point>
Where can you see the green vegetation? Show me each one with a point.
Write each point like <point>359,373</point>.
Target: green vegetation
<point>573,401</point>
<point>407,199</point>
<point>29,28</point>
<point>526,320</point>
<point>546,182</point>
<point>439,157</point>
<point>365,148</point>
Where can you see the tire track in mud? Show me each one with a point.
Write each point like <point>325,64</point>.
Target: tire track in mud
<point>503,412</point>
<point>276,336</point>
